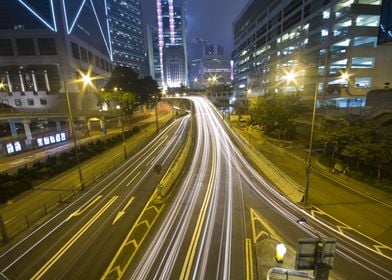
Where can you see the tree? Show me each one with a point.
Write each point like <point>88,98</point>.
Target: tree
<point>127,89</point>
<point>275,113</point>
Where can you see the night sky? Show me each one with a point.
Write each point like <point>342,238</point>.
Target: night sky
<point>210,19</point>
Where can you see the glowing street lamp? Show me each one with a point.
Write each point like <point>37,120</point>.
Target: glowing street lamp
<point>345,76</point>
<point>290,76</point>
<point>280,252</point>
<point>86,79</point>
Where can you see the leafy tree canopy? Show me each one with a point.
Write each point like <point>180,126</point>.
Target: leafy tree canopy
<point>127,89</point>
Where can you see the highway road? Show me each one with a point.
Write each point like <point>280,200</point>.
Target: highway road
<point>79,241</point>
<point>206,231</point>
<point>205,228</point>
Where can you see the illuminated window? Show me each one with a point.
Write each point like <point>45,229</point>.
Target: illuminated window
<point>367,20</point>
<point>340,28</point>
<point>369,42</point>
<point>326,14</point>
<point>337,66</point>
<point>362,62</point>
<point>370,2</point>
<point>363,82</point>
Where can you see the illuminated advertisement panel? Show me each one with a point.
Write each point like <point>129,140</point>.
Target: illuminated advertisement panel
<point>14,147</point>
<point>10,148</point>
<point>17,146</point>
<point>51,139</point>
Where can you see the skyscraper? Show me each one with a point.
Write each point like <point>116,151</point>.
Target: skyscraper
<point>126,30</point>
<point>44,43</point>
<point>172,46</point>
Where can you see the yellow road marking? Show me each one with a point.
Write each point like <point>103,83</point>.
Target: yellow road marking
<point>122,212</point>
<point>70,242</point>
<point>254,217</point>
<point>117,265</point>
<point>133,179</point>
<point>79,211</point>
<point>186,268</point>
<point>249,259</point>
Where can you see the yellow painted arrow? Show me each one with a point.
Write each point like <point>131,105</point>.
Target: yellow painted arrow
<point>81,211</point>
<point>122,212</point>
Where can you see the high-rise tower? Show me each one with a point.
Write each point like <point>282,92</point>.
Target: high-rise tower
<point>126,30</point>
<point>172,46</point>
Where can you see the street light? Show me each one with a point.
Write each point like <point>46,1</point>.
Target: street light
<point>344,76</point>
<point>86,79</point>
<point>291,77</point>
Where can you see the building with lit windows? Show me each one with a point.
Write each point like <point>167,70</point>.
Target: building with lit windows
<point>126,30</point>
<point>45,43</point>
<point>172,45</point>
<point>154,62</point>
<point>213,64</point>
<point>287,46</point>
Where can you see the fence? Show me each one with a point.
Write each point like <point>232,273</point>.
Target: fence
<point>18,224</point>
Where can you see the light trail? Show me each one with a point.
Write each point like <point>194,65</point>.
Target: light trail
<point>165,251</point>
<point>122,174</point>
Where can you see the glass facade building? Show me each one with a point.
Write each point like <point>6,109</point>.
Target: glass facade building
<point>172,45</point>
<point>314,41</point>
<point>126,30</point>
<point>44,43</point>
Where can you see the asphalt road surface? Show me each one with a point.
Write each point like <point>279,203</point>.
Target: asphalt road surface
<point>203,230</point>
<point>80,241</point>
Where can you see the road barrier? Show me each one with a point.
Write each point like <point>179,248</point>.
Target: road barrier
<point>18,224</point>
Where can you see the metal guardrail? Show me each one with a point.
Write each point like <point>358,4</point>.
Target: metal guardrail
<point>64,196</point>
<point>284,273</point>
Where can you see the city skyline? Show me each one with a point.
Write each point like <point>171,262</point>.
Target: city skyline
<point>202,20</point>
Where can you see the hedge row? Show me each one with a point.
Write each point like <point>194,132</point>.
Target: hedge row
<point>26,178</point>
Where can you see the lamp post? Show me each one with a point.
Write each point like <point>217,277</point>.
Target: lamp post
<point>344,76</point>
<point>309,160</point>
<point>86,80</point>
<point>290,77</point>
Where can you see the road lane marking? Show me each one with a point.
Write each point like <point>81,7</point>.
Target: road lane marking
<point>133,179</point>
<point>249,259</point>
<point>257,231</point>
<point>342,229</point>
<point>122,212</point>
<point>79,211</point>
<point>186,268</point>
<point>130,245</point>
<point>70,242</point>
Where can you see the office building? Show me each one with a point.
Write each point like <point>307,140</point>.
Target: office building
<point>212,68</point>
<point>44,45</point>
<point>126,30</point>
<point>287,46</point>
<point>172,45</point>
